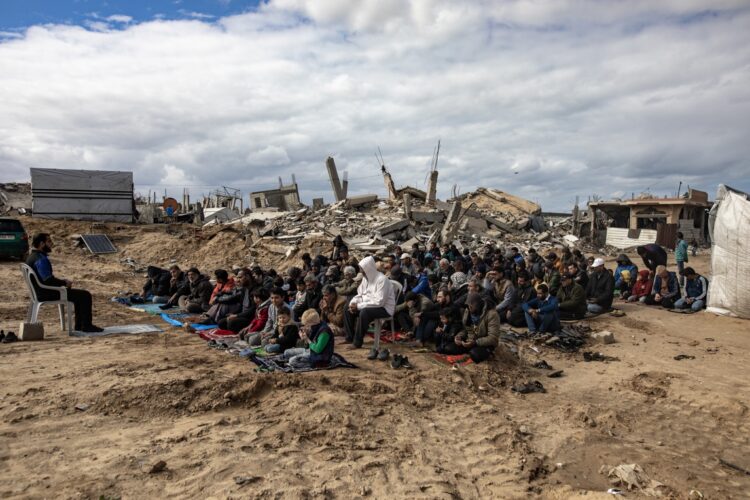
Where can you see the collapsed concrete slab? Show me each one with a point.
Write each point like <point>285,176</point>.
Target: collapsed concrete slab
<point>358,201</point>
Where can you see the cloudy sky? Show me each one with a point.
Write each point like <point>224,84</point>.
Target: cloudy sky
<point>547,100</point>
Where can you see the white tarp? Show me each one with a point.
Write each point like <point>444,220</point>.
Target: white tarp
<point>96,195</point>
<point>728,292</point>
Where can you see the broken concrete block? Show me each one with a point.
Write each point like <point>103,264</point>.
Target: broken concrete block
<point>570,240</point>
<point>603,337</point>
<point>543,236</point>
<point>428,217</point>
<point>522,223</point>
<point>498,224</point>
<point>358,201</point>
<point>473,225</point>
<point>392,227</point>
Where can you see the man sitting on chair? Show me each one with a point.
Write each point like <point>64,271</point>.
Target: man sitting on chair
<point>374,300</point>
<point>81,299</point>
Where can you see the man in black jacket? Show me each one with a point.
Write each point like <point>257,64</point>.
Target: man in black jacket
<point>579,275</point>
<point>156,288</point>
<point>198,295</point>
<point>653,255</point>
<point>600,290</point>
<point>313,294</point>
<point>81,299</point>
<point>242,295</point>
<point>524,293</point>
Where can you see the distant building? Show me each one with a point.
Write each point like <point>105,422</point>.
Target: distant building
<point>651,220</point>
<point>284,198</point>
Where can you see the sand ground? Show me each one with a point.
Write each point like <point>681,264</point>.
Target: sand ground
<point>430,432</point>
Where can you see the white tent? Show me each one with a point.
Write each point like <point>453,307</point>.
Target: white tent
<point>730,254</point>
<point>96,195</point>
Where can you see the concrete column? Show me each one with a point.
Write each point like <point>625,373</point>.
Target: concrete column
<point>407,206</point>
<point>450,226</point>
<point>389,186</point>
<point>333,175</point>
<point>432,189</point>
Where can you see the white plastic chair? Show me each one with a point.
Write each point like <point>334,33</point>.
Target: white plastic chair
<point>36,304</point>
<point>378,323</point>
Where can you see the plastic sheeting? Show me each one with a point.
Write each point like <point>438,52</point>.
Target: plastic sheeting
<point>728,292</point>
<point>96,195</point>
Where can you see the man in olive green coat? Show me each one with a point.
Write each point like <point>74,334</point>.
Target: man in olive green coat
<point>572,299</point>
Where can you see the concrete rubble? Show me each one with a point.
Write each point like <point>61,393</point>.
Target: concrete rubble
<point>370,225</point>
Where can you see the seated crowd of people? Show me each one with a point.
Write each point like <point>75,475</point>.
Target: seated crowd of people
<point>456,300</point>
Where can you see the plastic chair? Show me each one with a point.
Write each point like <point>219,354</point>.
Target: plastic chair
<point>36,304</point>
<point>378,323</point>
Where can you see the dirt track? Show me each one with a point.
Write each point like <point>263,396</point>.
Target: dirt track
<point>426,433</point>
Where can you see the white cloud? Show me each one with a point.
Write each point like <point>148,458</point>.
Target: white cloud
<point>119,18</point>
<point>545,100</point>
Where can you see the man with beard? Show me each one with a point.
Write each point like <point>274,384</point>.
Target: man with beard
<point>81,299</point>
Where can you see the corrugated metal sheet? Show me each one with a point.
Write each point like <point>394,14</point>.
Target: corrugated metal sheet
<point>618,237</point>
<point>96,195</point>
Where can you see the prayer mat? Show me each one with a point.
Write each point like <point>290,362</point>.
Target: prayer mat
<point>179,319</point>
<point>390,337</point>
<point>114,330</point>
<point>148,308</point>
<point>452,359</point>
<point>278,363</point>
<point>255,351</point>
<point>217,334</point>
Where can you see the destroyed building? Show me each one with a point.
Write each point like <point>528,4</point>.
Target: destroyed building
<point>15,196</point>
<point>639,221</point>
<point>285,198</point>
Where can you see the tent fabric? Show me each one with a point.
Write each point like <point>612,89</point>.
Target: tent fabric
<point>730,257</point>
<point>96,195</point>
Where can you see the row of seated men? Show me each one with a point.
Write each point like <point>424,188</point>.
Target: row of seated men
<point>456,300</point>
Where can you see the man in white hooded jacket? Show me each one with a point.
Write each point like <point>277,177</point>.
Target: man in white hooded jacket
<point>374,299</point>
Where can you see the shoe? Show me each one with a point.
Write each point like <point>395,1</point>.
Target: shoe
<point>2,335</point>
<point>373,354</point>
<point>383,354</point>
<point>10,337</point>
<point>405,362</point>
<point>92,329</point>
<point>528,387</point>
<point>164,307</point>
<point>396,362</point>
<point>542,365</point>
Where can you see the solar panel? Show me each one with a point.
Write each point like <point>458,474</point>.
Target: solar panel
<point>98,243</point>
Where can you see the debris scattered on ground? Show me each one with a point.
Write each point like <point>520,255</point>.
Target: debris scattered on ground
<point>528,387</point>
<point>243,480</point>
<point>158,467</point>
<point>603,337</point>
<point>597,356</point>
<point>680,357</point>
<point>632,477</point>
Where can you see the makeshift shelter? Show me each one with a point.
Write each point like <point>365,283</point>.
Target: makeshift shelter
<point>95,195</point>
<point>730,254</point>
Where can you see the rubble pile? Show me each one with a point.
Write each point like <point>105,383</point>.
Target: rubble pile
<point>369,225</point>
<point>15,197</point>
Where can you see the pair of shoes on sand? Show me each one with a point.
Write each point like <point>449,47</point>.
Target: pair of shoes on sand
<point>7,338</point>
<point>400,361</point>
<point>381,355</point>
